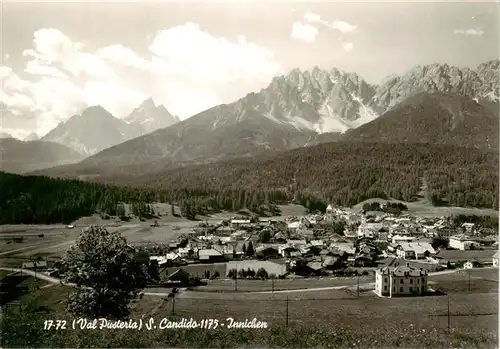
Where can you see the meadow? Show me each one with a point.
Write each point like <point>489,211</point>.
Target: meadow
<point>331,318</point>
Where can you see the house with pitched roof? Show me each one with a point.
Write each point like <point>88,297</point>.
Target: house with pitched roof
<point>463,242</point>
<point>415,250</point>
<point>495,259</point>
<point>400,281</point>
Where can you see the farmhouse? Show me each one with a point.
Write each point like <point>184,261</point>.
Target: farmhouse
<point>369,230</point>
<point>226,250</point>
<point>472,264</point>
<point>276,268</point>
<point>266,252</point>
<point>445,232</point>
<point>211,255</point>
<point>468,227</point>
<point>34,265</point>
<point>236,223</point>
<point>454,256</point>
<point>463,242</point>
<point>294,227</point>
<point>415,250</point>
<point>396,239</point>
<point>289,251</point>
<point>347,247</point>
<point>177,277</point>
<point>400,281</point>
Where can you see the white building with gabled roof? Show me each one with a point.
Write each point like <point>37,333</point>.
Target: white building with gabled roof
<point>400,281</point>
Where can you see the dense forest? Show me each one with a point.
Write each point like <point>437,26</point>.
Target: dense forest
<point>339,173</point>
<point>347,173</point>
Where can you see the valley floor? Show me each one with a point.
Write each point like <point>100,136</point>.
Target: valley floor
<point>340,317</point>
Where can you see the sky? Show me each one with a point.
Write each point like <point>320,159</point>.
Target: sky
<point>60,57</point>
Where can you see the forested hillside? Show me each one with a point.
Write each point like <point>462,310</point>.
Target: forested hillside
<point>347,173</point>
<point>339,173</point>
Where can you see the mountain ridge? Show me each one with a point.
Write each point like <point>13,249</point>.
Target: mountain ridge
<point>92,131</point>
<point>150,116</point>
<point>298,109</point>
<point>18,156</point>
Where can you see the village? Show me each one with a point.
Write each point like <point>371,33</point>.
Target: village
<point>345,266</point>
<point>339,242</point>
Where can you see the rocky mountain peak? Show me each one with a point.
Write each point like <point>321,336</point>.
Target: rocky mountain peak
<point>32,137</point>
<point>148,103</point>
<point>151,117</point>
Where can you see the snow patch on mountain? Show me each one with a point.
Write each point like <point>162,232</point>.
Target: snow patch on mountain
<point>492,96</point>
<point>329,121</point>
<point>366,114</point>
<point>272,118</point>
<point>75,144</point>
<point>299,123</point>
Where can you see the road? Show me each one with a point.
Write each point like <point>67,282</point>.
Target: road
<point>57,281</point>
<point>54,280</point>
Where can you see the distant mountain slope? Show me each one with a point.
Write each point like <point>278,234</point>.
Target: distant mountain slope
<point>151,117</point>
<point>188,142</point>
<point>304,108</point>
<point>92,131</point>
<point>343,173</point>
<point>4,135</point>
<point>32,137</point>
<point>436,119</point>
<point>480,83</point>
<point>20,157</point>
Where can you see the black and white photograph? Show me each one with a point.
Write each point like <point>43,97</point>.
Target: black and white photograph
<point>249,174</point>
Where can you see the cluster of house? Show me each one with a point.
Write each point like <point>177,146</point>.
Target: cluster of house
<point>311,242</point>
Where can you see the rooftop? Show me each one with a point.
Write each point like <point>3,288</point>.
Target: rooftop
<point>405,270</point>
<point>457,255</point>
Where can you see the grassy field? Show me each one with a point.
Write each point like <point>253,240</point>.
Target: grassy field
<point>57,240</point>
<point>244,285</point>
<point>480,281</point>
<point>292,210</point>
<point>315,319</point>
<point>199,269</point>
<point>424,209</point>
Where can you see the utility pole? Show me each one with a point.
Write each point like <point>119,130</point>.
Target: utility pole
<point>286,311</point>
<point>358,287</point>
<point>173,304</point>
<point>448,313</point>
<point>272,284</point>
<point>236,279</point>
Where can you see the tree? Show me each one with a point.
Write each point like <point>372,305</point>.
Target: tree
<point>188,209</point>
<point>250,251</point>
<point>142,257</point>
<point>172,209</point>
<point>106,272</point>
<point>154,271</point>
<point>338,227</point>
<point>232,274</point>
<point>439,243</point>
<point>250,273</point>
<point>265,236</point>
<point>262,273</point>
<point>242,273</point>
<point>120,211</point>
